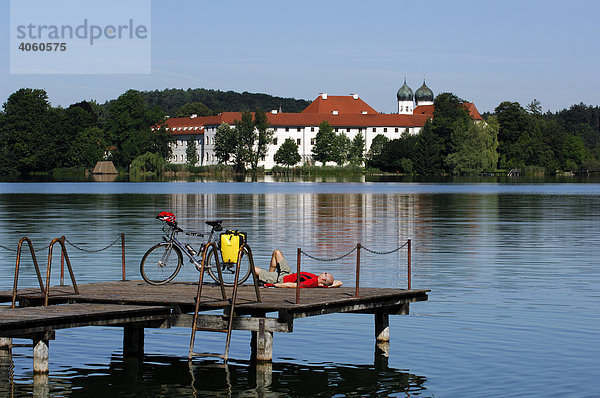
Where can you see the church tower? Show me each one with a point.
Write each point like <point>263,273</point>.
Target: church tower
<point>405,98</point>
<point>424,95</point>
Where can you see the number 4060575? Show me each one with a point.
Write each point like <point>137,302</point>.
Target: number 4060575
<point>43,46</point>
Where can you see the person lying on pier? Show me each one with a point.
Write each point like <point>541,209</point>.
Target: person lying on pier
<point>280,275</point>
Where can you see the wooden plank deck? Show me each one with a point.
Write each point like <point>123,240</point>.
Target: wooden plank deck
<point>181,295</point>
<point>23,321</point>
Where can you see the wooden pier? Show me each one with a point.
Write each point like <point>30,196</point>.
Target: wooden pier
<point>136,305</point>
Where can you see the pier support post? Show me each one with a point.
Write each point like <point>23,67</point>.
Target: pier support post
<point>6,362</point>
<point>382,340</point>
<point>262,344</point>
<point>382,327</point>
<point>264,374</point>
<point>40,354</point>
<point>133,341</point>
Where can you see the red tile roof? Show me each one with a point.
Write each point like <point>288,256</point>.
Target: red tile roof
<point>350,114</point>
<point>305,119</point>
<point>473,110</point>
<point>344,104</point>
<point>469,106</point>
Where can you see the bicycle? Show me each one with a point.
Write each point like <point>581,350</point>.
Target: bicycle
<point>163,261</point>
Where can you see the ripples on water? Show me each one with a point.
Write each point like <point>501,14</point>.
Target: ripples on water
<point>513,271</point>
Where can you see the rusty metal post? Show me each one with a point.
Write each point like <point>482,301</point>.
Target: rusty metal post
<point>123,255</point>
<point>35,264</point>
<point>253,271</point>
<point>357,269</point>
<point>409,265</point>
<point>49,268</point>
<point>62,263</point>
<point>298,277</point>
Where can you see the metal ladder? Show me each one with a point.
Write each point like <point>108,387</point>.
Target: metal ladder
<point>232,301</point>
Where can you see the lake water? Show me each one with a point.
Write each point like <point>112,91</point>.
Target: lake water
<point>513,268</point>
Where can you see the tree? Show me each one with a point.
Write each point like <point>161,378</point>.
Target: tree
<point>356,155</point>
<point>428,159</point>
<point>574,153</point>
<point>378,145</point>
<point>129,128</point>
<point>287,154</point>
<point>225,143</point>
<point>515,126</point>
<point>449,116</point>
<point>245,144</point>
<point>25,131</point>
<point>148,163</point>
<point>193,108</point>
<point>398,154</point>
<point>87,147</point>
<point>244,138</point>
<point>191,152</point>
<point>262,137</point>
<point>340,149</point>
<point>535,108</point>
<point>476,149</point>
<point>324,143</point>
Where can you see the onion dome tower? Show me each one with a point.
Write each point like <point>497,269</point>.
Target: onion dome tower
<point>405,98</point>
<point>424,95</point>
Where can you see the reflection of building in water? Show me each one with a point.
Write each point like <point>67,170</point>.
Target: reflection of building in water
<point>323,225</point>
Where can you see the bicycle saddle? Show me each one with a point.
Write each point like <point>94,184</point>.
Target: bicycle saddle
<point>216,224</point>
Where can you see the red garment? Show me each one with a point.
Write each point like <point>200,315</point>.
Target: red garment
<point>306,279</point>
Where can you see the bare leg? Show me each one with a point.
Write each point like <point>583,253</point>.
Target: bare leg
<point>276,257</point>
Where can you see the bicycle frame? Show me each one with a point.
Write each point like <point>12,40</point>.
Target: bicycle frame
<point>172,239</point>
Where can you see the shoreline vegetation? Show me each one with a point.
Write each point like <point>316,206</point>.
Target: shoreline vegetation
<point>37,139</point>
<point>227,173</point>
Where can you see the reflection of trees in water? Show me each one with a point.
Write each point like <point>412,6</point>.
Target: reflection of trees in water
<point>173,376</point>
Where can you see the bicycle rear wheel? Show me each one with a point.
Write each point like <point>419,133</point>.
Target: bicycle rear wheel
<point>228,269</point>
<point>161,263</point>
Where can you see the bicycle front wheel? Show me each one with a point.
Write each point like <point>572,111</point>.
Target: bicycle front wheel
<point>161,263</point>
<point>228,269</point>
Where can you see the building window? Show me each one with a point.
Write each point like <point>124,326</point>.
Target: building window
<point>396,130</point>
<point>287,129</point>
<point>275,141</point>
<point>336,130</point>
<point>374,129</point>
<point>385,129</point>
<point>312,129</point>
<point>298,129</point>
<point>312,141</point>
<point>298,141</point>
<point>347,130</point>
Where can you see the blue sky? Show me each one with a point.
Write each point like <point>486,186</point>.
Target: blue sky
<point>485,52</point>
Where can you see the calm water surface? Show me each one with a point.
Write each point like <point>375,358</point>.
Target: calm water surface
<point>514,308</point>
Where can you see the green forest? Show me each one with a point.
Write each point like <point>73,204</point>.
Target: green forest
<point>513,137</point>
<point>36,137</point>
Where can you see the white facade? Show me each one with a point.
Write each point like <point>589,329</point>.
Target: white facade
<point>303,136</point>
<point>346,114</point>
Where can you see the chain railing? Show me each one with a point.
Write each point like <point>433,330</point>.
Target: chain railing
<point>356,249</point>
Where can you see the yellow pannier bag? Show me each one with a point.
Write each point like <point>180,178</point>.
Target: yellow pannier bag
<point>231,241</point>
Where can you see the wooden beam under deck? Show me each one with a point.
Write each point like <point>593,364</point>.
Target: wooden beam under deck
<point>137,305</point>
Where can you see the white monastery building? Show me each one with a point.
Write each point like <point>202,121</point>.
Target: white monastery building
<point>347,114</point>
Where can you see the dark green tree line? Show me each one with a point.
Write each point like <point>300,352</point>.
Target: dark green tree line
<point>35,137</point>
